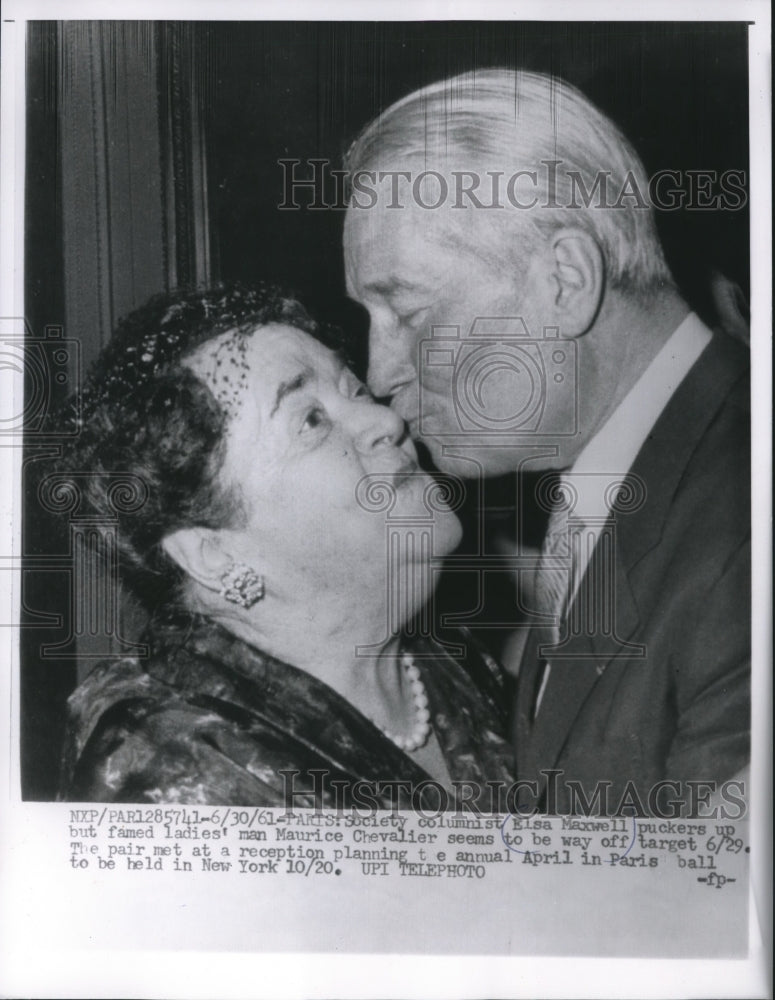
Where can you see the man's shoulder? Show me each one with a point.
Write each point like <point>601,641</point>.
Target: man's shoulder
<point>696,476</point>
<point>717,478</point>
<point>703,437</point>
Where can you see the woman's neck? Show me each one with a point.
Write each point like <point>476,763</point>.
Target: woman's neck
<point>359,663</point>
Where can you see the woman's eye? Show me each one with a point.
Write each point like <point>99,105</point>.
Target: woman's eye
<point>314,418</point>
<point>353,388</point>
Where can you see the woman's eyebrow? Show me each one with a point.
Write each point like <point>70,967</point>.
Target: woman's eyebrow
<point>288,386</point>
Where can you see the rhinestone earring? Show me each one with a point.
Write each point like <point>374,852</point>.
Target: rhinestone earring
<point>242,585</point>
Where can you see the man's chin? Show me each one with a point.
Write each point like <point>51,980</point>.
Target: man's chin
<point>475,460</point>
<point>469,461</point>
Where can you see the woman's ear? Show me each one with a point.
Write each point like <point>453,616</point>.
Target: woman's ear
<point>578,279</point>
<point>200,554</point>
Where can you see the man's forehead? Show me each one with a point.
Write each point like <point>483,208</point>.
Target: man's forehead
<point>390,250</point>
<point>378,221</point>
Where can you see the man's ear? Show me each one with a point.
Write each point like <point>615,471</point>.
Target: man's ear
<point>578,279</point>
<point>200,553</point>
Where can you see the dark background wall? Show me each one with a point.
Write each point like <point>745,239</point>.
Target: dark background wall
<point>44,686</point>
<point>265,91</point>
<point>678,91</point>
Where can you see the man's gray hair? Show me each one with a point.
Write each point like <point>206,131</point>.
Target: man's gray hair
<point>506,121</point>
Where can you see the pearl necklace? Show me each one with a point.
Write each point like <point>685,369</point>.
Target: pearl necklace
<point>422,726</point>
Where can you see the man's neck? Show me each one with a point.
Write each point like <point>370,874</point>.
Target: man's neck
<point>624,342</point>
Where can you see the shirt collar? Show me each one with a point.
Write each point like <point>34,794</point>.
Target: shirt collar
<point>614,448</point>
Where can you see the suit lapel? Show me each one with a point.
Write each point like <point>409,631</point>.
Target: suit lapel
<point>584,655</point>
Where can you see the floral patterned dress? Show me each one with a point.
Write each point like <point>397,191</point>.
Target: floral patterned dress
<point>207,718</point>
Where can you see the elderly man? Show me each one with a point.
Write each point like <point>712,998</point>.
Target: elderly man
<point>500,234</point>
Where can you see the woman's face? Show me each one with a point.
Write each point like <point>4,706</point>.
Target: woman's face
<point>302,434</point>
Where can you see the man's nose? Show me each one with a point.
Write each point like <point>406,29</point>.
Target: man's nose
<point>379,426</point>
<point>392,364</point>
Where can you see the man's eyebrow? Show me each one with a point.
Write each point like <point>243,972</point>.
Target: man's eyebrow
<point>286,387</point>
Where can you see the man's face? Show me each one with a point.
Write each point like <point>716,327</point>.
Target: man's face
<point>413,280</point>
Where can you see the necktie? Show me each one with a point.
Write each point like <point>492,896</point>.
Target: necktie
<point>552,579</point>
<point>552,583</point>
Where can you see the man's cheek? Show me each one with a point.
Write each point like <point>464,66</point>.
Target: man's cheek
<point>452,464</point>
<point>437,377</point>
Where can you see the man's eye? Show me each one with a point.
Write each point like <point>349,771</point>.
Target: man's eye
<point>414,317</point>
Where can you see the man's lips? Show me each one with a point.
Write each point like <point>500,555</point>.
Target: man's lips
<point>415,417</point>
<point>406,405</point>
<point>411,419</point>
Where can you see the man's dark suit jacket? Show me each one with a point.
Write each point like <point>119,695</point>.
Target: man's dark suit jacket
<point>681,710</point>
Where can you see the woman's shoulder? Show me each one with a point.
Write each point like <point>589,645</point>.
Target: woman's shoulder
<point>132,737</point>
<point>106,713</point>
<point>109,685</point>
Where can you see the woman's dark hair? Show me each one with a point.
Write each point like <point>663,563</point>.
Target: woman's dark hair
<point>148,426</point>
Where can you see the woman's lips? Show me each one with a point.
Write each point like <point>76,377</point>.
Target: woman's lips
<point>405,472</point>
<point>413,423</point>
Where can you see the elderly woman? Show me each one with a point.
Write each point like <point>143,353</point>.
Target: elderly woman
<point>276,607</point>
